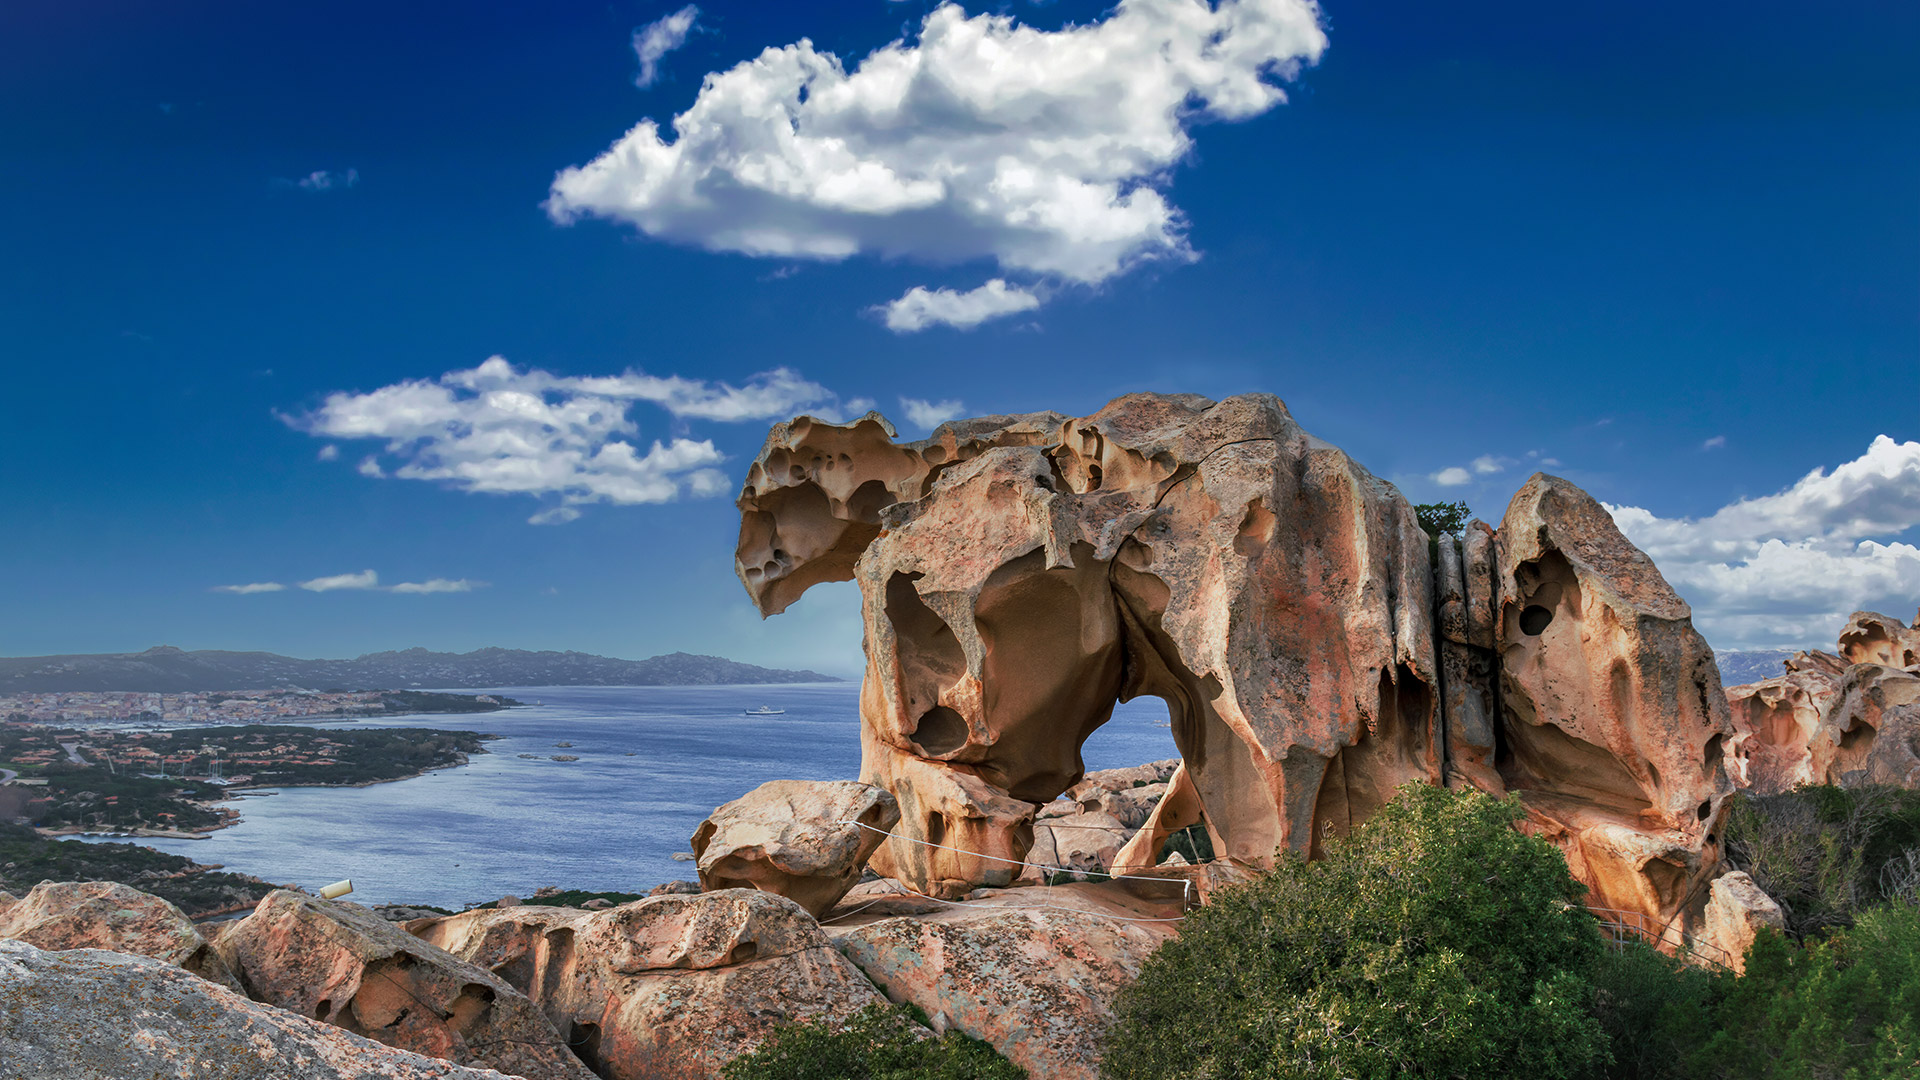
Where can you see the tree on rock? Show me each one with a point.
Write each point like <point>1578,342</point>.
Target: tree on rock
<point>1435,941</point>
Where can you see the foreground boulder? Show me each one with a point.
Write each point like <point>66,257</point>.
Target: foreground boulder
<point>668,988</point>
<point>107,915</point>
<point>1033,972</point>
<point>1737,910</point>
<point>88,1014</point>
<point>805,840</point>
<point>347,966</point>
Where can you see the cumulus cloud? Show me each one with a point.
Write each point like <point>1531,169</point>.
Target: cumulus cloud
<point>249,590</point>
<point>1786,569</point>
<point>501,430</point>
<point>931,414</point>
<point>328,452</point>
<point>1488,464</point>
<point>922,307</point>
<point>1452,477</point>
<point>1047,152</point>
<point>655,40</point>
<point>365,579</point>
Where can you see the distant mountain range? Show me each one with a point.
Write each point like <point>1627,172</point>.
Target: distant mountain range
<point>165,669</point>
<point>1739,668</point>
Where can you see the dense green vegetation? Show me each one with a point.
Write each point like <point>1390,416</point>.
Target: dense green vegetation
<point>1438,942</point>
<point>1826,854</point>
<point>27,858</point>
<point>1435,941</point>
<point>1436,519</point>
<point>879,1043</point>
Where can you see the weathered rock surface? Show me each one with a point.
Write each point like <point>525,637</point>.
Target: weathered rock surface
<point>118,918</point>
<point>1775,721</point>
<point>1021,574</point>
<point>1872,638</point>
<point>343,964</point>
<point>1084,841</point>
<point>1871,732</point>
<point>95,1015</point>
<point>1736,911</point>
<point>787,837</point>
<point>1615,728</point>
<point>1847,719</point>
<point>668,988</point>
<point>1036,982</point>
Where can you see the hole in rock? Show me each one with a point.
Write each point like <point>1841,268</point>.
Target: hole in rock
<point>321,1010</point>
<point>940,731</point>
<point>1706,810</point>
<point>868,500</point>
<point>1534,619</point>
<point>1140,731</point>
<point>584,1041</point>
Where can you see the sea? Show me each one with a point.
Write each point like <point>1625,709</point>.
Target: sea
<point>653,763</point>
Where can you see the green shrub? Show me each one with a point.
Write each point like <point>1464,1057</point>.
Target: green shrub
<point>879,1043</point>
<point>1655,1010</point>
<point>1847,1008</point>
<point>1435,941</point>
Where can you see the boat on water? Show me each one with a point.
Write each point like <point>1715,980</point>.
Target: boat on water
<point>763,710</point>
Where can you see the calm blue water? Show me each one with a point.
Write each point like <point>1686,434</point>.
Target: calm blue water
<point>606,822</point>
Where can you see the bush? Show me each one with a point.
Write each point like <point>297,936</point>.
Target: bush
<point>879,1043</point>
<point>1824,853</point>
<point>1656,1012</point>
<point>1435,941</point>
<point>1847,1008</point>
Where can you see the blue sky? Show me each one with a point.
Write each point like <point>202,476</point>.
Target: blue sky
<point>1669,252</point>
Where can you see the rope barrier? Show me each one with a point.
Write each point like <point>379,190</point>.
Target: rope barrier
<point>1186,884</point>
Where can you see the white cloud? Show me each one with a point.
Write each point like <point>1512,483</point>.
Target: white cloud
<point>1453,476</point>
<point>922,307</point>
<point>558,515</point>
<point>931,414</point>
<point>501,430</point>
<point>1488,464</point>
<point>436,585</point>
<point>328,452</point>
<point>1714,443</point>
<point>1786,569</point>
<point>658,38</point>
<point>249,590</point>
<point>365,579</point>
<point>321,180</point>
<point>1047,152</point>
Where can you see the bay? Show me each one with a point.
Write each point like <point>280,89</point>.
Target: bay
<point>653,763</point>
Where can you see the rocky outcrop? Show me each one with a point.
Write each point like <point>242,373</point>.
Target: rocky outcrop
<point>668,988</point>
<point>345,965</point>
<point>1845,719</point>
<point>1614,728</point>
<point>1022,574</point>
<point>1871,732</point>
<point>107,915</point>
<point>805,840</point>
<point>89,1013</point>
<point>1872,638</point>
<point>1736,912</point>
<point>1083,841</point>
<point>1775,721</point>
<point>1034,972</point>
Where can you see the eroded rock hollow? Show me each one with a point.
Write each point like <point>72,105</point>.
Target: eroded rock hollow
<point>1021,574</point>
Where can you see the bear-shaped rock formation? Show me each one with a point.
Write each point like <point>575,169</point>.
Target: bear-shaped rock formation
<point>1021,574</point>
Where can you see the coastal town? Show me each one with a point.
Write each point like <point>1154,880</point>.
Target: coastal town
<point>232,707</point>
